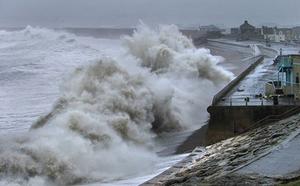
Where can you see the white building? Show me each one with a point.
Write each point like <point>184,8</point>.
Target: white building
<point>273,34</point>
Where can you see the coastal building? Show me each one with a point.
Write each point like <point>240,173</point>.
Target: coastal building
<point>288,77</point>
<point>288,33</point>
<point>246,27</point>
<point>234,31</point>
<point>275,34</point>
<point>210,28</point>
<point>212,31</point>
<point>246,31</point>
<point>296,31</point>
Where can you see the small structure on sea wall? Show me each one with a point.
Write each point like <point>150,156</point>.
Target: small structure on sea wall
<point>288,77</point>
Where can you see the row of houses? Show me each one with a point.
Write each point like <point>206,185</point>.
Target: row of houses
<point>281,34</point>
<point>247,31</point>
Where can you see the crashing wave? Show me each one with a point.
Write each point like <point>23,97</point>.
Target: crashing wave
<point>168,50</point>
<point>103,125</point>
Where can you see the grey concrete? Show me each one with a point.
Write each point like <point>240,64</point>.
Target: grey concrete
<point>282,161</point>
<point>228,121</point>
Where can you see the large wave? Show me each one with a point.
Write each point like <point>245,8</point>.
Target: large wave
<point>103,125</point>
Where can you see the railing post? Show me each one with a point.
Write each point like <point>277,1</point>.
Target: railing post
<point>247,100</point>
<point>230,101</point>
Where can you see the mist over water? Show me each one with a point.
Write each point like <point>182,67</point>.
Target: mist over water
<point>103,125</point>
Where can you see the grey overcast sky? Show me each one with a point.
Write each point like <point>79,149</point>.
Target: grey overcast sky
<point>122,13</point>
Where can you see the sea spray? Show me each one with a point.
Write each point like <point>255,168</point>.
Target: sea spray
<point>191,74</point>
<point>256,50</point>
<point>102,127</point>
<point>167,50</point>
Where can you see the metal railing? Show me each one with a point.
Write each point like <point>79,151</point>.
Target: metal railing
<point>257,100</point>
<point>246,100</point>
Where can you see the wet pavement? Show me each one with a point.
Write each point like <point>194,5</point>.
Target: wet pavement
<point>251,90</point>
<point>253,85</point>
<point>282,161</point>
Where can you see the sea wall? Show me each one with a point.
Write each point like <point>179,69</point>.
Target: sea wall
<point>236,81</point>
<point>228,121</point>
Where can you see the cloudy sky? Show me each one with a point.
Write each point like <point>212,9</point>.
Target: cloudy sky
<point>122,13</point>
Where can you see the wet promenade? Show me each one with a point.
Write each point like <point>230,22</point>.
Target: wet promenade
<point>251,90</point>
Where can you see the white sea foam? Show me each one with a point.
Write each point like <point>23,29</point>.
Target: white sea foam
<point>256,50</point>
<point>102,126</point>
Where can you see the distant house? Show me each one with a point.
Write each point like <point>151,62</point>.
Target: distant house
<point>234,31</point>
<point>288,34</point>
<point>267,30</point>
<point>275,34</point>
<point>272,34</point>
<point>210,28</point>
<point>247,31</point>
<point>212,31</point>
<point>247,28</point>
<point>296,31</point>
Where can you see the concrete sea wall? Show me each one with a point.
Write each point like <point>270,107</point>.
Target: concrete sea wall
<point>236,81</point>
<point>228,121</point>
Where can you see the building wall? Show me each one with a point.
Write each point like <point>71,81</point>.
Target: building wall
<point>294,86</point>
<point>226,121</point>
<point>275,37</point>
<point>296,68</point>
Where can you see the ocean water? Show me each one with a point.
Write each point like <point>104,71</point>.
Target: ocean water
<point>33,64</point>
<point>80,110</point>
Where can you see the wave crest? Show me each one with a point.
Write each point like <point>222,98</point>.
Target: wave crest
<point>168,50</point>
